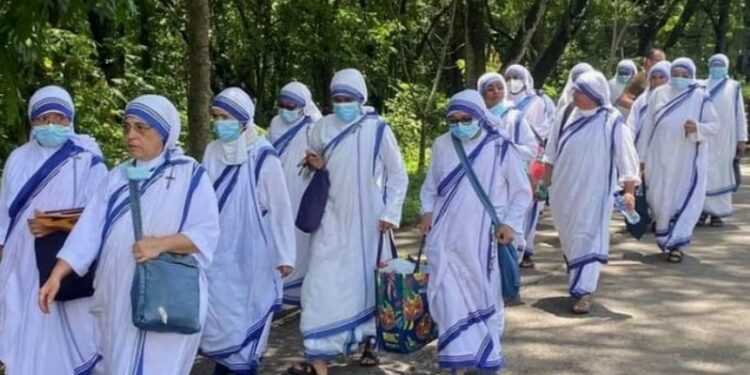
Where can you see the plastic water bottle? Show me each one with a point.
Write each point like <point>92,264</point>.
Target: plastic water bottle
<point>630,215</point>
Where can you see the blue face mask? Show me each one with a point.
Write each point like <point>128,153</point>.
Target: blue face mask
<point>679,83</point>
<point>499,109</point>
<point>623,79</point>
<point>52,135</point>
<point>227,130</point>
<point>717,72</point>
<point>290,116</point>
<point>464,130</point>
<point>346,112</point>
<point>136,173</point>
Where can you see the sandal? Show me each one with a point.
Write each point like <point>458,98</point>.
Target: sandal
<point>583,305</point>
<point>675,256</point>
<point>527,262</point>
<point>369,356</point>
<point>701,220</point>
<point>716,221</point>
<point>302,368</point>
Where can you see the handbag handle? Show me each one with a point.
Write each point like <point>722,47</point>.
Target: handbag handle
<point>135,209</point>
<point>394,254</point>
<point>419,254</point>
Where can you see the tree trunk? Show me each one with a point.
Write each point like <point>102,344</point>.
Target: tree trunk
<point>526,31</point>
<point>144,37</point>
<point>476,41</point>
<point>654,17</point>
<point>454,79</point>
<point>720,28</point>
<point>199,80</point>
<point>691,6</point>
<point>566,29</point>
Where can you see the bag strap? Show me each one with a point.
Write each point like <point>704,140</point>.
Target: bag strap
<point>135,209</point>
<point>394,254</point>
<point>419,254</point>
<point>481,194</point>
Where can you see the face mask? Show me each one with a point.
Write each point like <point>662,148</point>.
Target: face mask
<point>499,109</point>
<point>290,116</point>
<point>464,130</point>
<point>52,135</point>
<point>346,112</point>
<point>136,173</point>
<point>227,130</point>
<point>623,79</point>
<point>679,83</point>
<point>717,72</point>
<point>515,86</point>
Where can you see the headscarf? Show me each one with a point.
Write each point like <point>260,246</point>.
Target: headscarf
<point>471,102</point>
<point>628,65</point>
<point>351,83</point>
<point>687,64</point>
<point>55,99</point>
<point>662,67</point>
<point>489,78</point>
<point>719,58</point>
<point>158,112</point>
<point>237,103</point>
<point>594,85</point>
<point>299,94</point>
<point>521,71</point>
<point>567,93</point>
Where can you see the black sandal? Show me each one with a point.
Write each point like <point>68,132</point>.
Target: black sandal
<point>369,356</point>
<point>675,256</point>
<point>302,368</point>
<point>701,220</point>
<point>527,262</point>
<point>716,221</point>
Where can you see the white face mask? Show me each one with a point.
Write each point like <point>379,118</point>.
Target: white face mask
<point>515,86</point>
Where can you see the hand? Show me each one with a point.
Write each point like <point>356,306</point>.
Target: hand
<point>426,224</point>
<point>385,226</point>
<point>629,199</point>
<point>740,149</point>
<point>314,160</point>
<point>146,249</point>
<point>37,229</point>
<point>504,234</point>
<point>48,292</point>
<point>690,127</point>
<point>285,270</point>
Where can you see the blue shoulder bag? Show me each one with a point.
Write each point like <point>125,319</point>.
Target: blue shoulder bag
<point>507,258</point>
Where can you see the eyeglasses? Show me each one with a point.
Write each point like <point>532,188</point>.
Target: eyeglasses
<point>139,127</point>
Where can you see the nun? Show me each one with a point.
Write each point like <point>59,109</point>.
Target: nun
<point>588,156</point>
<point>256,248</point>
<point>179,215</point>
<point>727,145</point>
<point>368,184</point>
<point>673,146</point>
<point>626,70</point>
<point>56,169</point>
<point>464,291</point>
<point>289,132</point>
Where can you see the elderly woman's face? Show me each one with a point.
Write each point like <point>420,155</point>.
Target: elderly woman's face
<point>493,93</point>
<point>142,141</point>
<point>218,114</point>
<point>51,118</point>
<point>680,73</point>
<point>657,79</point>
<point>582,101</point>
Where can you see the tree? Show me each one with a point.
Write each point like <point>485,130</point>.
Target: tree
<point>565,31</point>
<point>199,76</point>
<point>476,41</point>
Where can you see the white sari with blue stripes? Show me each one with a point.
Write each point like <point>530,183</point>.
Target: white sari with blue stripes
<point>590,155</point>
<point>368,184</point>
<point>257,235</point>
<point>675,165</point>
<point>464,291</point>
<point>177,198</point>
<point>726,94</point>
<point>44,179</point>
<point>290,141</point>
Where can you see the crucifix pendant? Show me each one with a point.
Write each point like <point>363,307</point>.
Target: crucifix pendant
<point>170,177</point>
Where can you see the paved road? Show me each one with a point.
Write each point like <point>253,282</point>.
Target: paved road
<point>649,316</point>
